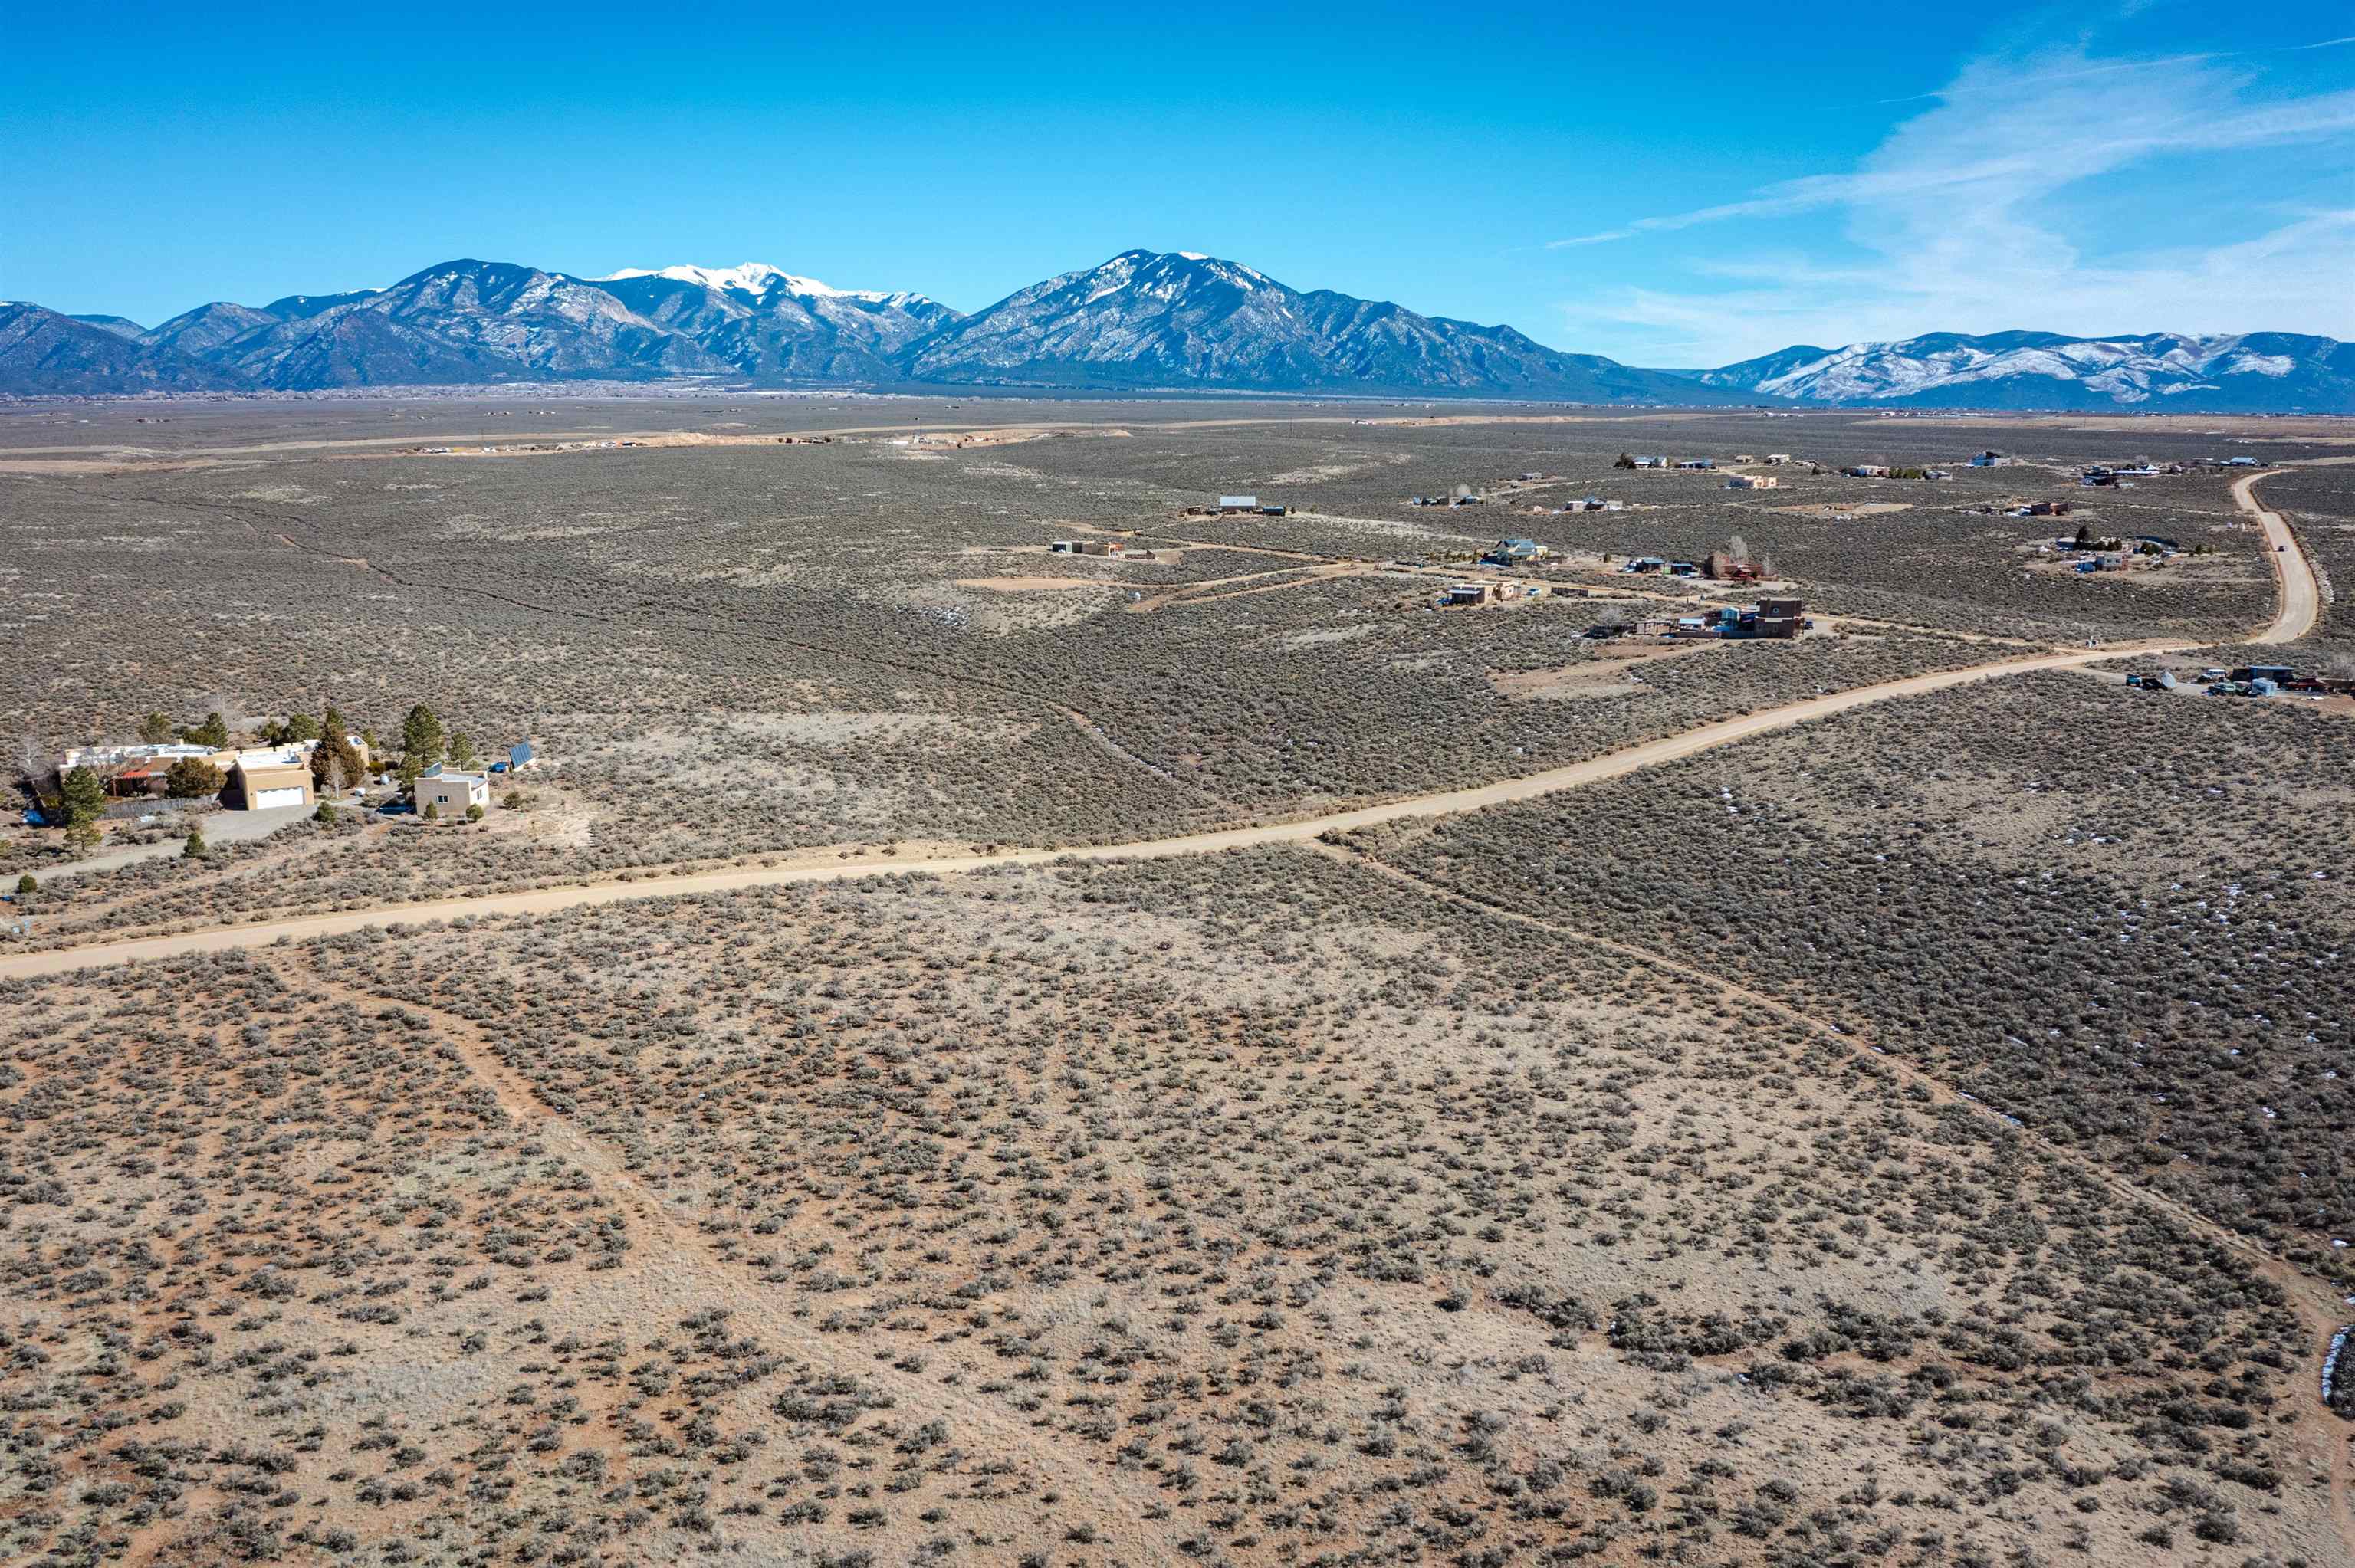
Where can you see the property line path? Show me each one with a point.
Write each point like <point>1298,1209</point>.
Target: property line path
<point>2298,602</point>
<point>665,1242</point>
<point>2322,1439</point>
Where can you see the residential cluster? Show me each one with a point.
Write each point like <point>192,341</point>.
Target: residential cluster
<point>1504,592</point>
<point>2091,552</point>
<point>253,779</point>
<point>1779,618</point>
<point>2258,680</point>
<point>284,765</point>
<point>1717,566</point>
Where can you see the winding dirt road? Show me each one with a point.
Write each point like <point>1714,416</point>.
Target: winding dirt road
<point>2299,600</point>
<point>540,901</point>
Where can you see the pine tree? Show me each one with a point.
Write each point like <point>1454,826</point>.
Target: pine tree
<point>422,736</point>
<point>194,848</point>
<point>81,796</point>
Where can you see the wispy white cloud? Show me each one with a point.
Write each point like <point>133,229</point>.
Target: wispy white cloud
<point>1966,219</point>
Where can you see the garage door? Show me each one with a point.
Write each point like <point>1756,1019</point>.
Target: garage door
<point>289,796</point>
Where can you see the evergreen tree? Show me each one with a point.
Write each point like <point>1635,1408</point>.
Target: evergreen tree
<point>192,778</point>
<point>301,726</point>
<point>194,848</point>
<point>81,796</point>
<point>213,731</point>
<point>422,736</point>
<point>461,749</point>
<point>335,764</point>
<point>154,729</point>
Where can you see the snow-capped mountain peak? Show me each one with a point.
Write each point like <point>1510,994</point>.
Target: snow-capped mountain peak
<point>2038,369</point>
<point>752,277</point>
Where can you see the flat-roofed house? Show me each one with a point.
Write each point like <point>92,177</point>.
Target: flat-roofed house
<point>452,791</point>
<point>260,780</point>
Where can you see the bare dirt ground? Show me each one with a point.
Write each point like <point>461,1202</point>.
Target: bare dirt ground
<point>1594,677</point>
<point>1842,509</point>
<point>1029,585</point>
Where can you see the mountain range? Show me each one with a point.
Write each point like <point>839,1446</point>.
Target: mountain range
<point>1142,321</point>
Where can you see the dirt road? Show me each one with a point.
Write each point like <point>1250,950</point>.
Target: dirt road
<point>2300,601</point>
<point>2300,597</point>
<point>1615,765</point>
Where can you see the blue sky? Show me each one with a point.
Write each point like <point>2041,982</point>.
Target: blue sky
<point>1684,188</point>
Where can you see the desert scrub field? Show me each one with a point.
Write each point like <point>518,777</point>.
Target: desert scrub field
<point>1250,1209</point>
<point>737,652</point>
<point>2120,916</point>
<point>1302,724</point>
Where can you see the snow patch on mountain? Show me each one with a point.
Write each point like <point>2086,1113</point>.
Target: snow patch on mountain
<point>756,279</point>
<point>2042,369</point>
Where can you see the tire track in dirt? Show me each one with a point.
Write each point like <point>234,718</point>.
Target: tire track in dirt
<point>671,1244</point>
<point>2325,1442</point>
